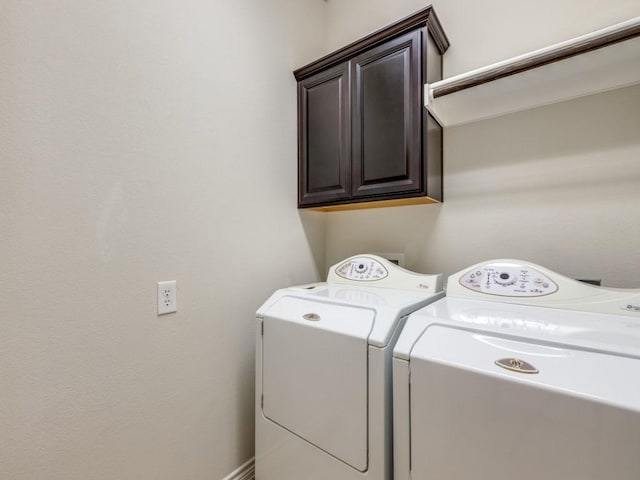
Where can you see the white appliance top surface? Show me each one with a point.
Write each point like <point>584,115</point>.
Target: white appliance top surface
<point>388,305</point>
<point>590,331</point>
<point>364,296</point>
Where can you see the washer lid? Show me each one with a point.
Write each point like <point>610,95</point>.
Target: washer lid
<point>617,334</point>
<point>604,378</point>
<point>315,375</point>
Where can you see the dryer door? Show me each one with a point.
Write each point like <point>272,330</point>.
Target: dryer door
<point>314,371</point>
<point>577,418</point>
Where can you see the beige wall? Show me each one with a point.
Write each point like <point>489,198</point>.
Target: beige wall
<point>144,141</point>
<point>558,185</point>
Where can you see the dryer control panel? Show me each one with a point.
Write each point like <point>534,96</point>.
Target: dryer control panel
<point>362,268</point>
<point>509,280</point>
<point>375,271</point>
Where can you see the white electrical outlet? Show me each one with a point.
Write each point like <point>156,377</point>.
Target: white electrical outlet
<point>167,297</point>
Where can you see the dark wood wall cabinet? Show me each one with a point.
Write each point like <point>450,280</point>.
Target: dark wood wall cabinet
<point>364,136</point>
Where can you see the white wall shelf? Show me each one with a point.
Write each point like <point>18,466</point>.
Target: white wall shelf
<point>602,60</point>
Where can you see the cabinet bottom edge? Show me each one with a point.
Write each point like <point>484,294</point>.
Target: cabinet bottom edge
<point>396,202</point>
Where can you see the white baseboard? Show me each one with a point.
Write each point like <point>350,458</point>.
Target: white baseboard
<point>245,472</point>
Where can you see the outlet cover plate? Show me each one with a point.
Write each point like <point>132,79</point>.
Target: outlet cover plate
<point>167,297</point>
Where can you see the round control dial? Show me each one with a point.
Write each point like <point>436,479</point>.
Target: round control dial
<point>361,268</point>
<point>505,279</point>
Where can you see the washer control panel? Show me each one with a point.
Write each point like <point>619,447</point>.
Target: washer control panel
<point>362,269</point>
<point>508,280</point>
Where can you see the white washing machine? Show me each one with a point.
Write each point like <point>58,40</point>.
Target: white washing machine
<point>323,371</point>
<point>519,373</point>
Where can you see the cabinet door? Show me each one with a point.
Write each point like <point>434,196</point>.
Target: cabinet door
<point>324,130</point>
<point>386,118</point>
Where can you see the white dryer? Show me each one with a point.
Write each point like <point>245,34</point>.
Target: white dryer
<point>323,371</point>
<point>519,373</point>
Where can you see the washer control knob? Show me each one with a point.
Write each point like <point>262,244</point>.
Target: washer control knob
<point>505,279</point>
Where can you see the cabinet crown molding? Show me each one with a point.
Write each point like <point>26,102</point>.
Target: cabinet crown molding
<point>425,17</point>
